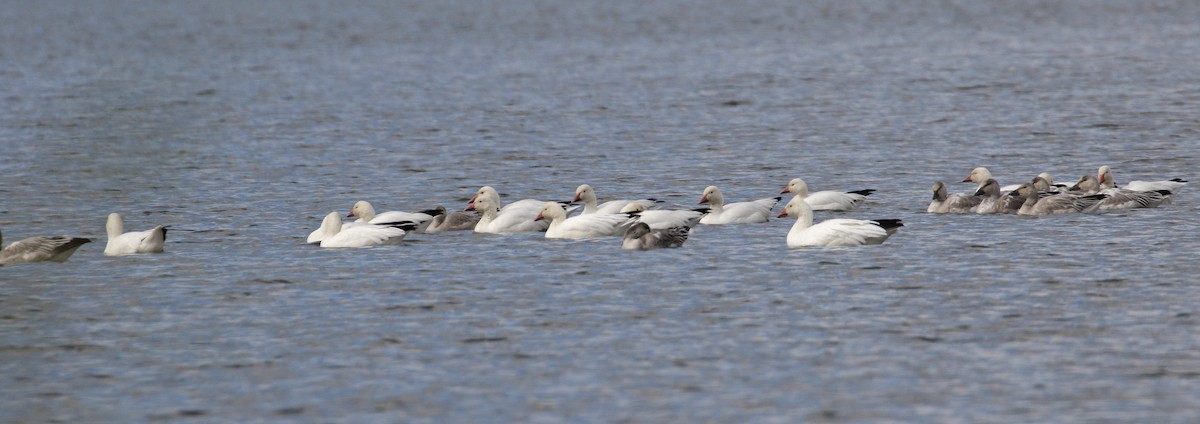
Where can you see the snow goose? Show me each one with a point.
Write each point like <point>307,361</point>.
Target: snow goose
<point>1119,198</point>
<point>1053,204</point>
<point>530,206</point>
<point>362,235</point>
<point>641,237</point>
<point>121,243</point>
<point>363,210</point>
<point>660,219</point>
<point>981,175</point>
<point>581,226</point>
<point>453,221</point>
<point>834,232</point>
<point>495,220</point>
<point>40,249</point>
<point>995,201</point>
<point>1105,175</point>
<point>735,213</point>
<point>587,195</point>
<point>827,200</point>
<point>947,203</point>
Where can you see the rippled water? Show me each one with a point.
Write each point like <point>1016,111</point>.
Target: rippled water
<point>240,126</point>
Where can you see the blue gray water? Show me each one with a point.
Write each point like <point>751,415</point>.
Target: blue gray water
<point>240,125</point>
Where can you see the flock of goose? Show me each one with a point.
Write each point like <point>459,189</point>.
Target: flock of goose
<point>642,226</point>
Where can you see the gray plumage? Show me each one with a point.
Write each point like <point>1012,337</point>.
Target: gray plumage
<point>1053,204</point>
<point>956,203</point>
<point>40,249</point>
<point>453,221</point>
<point>641,237</point>
<point>996,202</point>
<point>1119,198</point>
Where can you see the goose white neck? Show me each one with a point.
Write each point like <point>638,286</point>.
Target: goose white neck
<point>114,226</point>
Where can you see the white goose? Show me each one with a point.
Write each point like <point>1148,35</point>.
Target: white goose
<point>1105,175</point>
<point>587,195</point>
<point>827,200</point>
<point>641,237</point>
<point>40,249</point>
<point>1121,199</point>
<point>581,226</point>
<point>834,232</point>
<point>495,220</point>
<point>363,210</point>
<point>981,175</point>
<point>121,243</point>
<point>955,203</point>
<point>659,219</point>
<point>362,235</point>
<point>735,213</point>
<point>530,206</point>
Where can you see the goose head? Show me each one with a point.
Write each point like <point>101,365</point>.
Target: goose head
<point>1104,177</point>
<point>797,187</point>
<point>712,196</point>
<point>978,175</point>
<point>552,211</point>
<point>363,210</point>
<point>585,193</point>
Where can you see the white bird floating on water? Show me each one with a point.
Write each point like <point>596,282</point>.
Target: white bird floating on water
<point>121,243</point>
<point>363,210</point>
<point>361,235</point>
<point>827,200</point>
<point>581,226</point>
<point>1105,175</point>
<point>40,249</point>
<point>1120,198</point>
<point>587,195</point>
<point>735,213</point>
<point>834,232</point>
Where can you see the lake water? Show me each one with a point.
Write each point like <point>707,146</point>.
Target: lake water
<point>241,125</point>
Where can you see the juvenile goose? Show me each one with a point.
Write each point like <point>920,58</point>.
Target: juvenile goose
<point>955,203</point>
<point>641,237</point>
<point>40,249</point>
<point>452,221</point>
<point>996,202</point>
<point>121,243</point>
<point>1053,204</point>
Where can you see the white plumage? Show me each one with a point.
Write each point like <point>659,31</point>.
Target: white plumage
<point>134,242</point>
<point>827,200</point>
<point>582,226</point>
<point>834,232</point>
<point>735,213</point>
